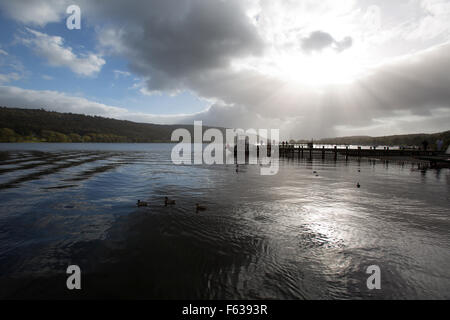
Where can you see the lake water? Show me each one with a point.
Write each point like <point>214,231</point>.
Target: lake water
<point>295,235</point>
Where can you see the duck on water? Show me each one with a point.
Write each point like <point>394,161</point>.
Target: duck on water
<point>141,203</point>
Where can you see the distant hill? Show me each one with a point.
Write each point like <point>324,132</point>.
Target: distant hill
<point>396,140</point>
<point>38,125</point>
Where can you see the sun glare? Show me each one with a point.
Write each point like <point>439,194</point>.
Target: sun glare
<point>317,69</point>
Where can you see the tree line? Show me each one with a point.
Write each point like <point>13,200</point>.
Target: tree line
<point>39,125</point>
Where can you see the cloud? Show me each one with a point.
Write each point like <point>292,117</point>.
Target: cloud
<point>344,44</point>
<point>319,40</point>
<point>47,77</point>
<point>434,22</point>
<point>8,77</point>
<point>55,101</point>
<point>34,12</point>
<point>12,69</point>
<point>52,49</point>
<point>119,73</point>
<point>174,41</point>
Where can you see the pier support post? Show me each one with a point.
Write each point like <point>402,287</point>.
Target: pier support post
<point>335,152</point>
<point>346,152</point>
<point>323,152</point>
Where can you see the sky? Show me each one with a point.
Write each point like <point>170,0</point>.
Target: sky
<point>312,69</point>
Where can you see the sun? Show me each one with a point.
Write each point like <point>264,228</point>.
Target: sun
<point>316,69</point>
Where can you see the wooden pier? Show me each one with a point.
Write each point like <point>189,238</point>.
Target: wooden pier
<point>334,152</point>
<point>310,152</point>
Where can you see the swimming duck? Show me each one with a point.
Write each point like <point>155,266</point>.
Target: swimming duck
<point>168,201</point>
<point>199,207</point>
<point>141,203</point>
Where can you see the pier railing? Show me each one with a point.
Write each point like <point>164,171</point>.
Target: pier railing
<point>287,151</point>
<point>302,151</point>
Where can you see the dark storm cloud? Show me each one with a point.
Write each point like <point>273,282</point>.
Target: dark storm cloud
<point>169,41</point>
<point>344,44</point>
<point>319,40</point>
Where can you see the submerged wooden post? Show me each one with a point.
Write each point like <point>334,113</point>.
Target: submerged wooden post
<point>310,151</point>
<point>359,152</point>
<point>335,152</point>
<point>346,152</point>
<point>323,152</point>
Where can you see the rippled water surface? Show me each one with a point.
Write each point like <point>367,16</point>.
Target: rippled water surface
<point>295,235</point>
